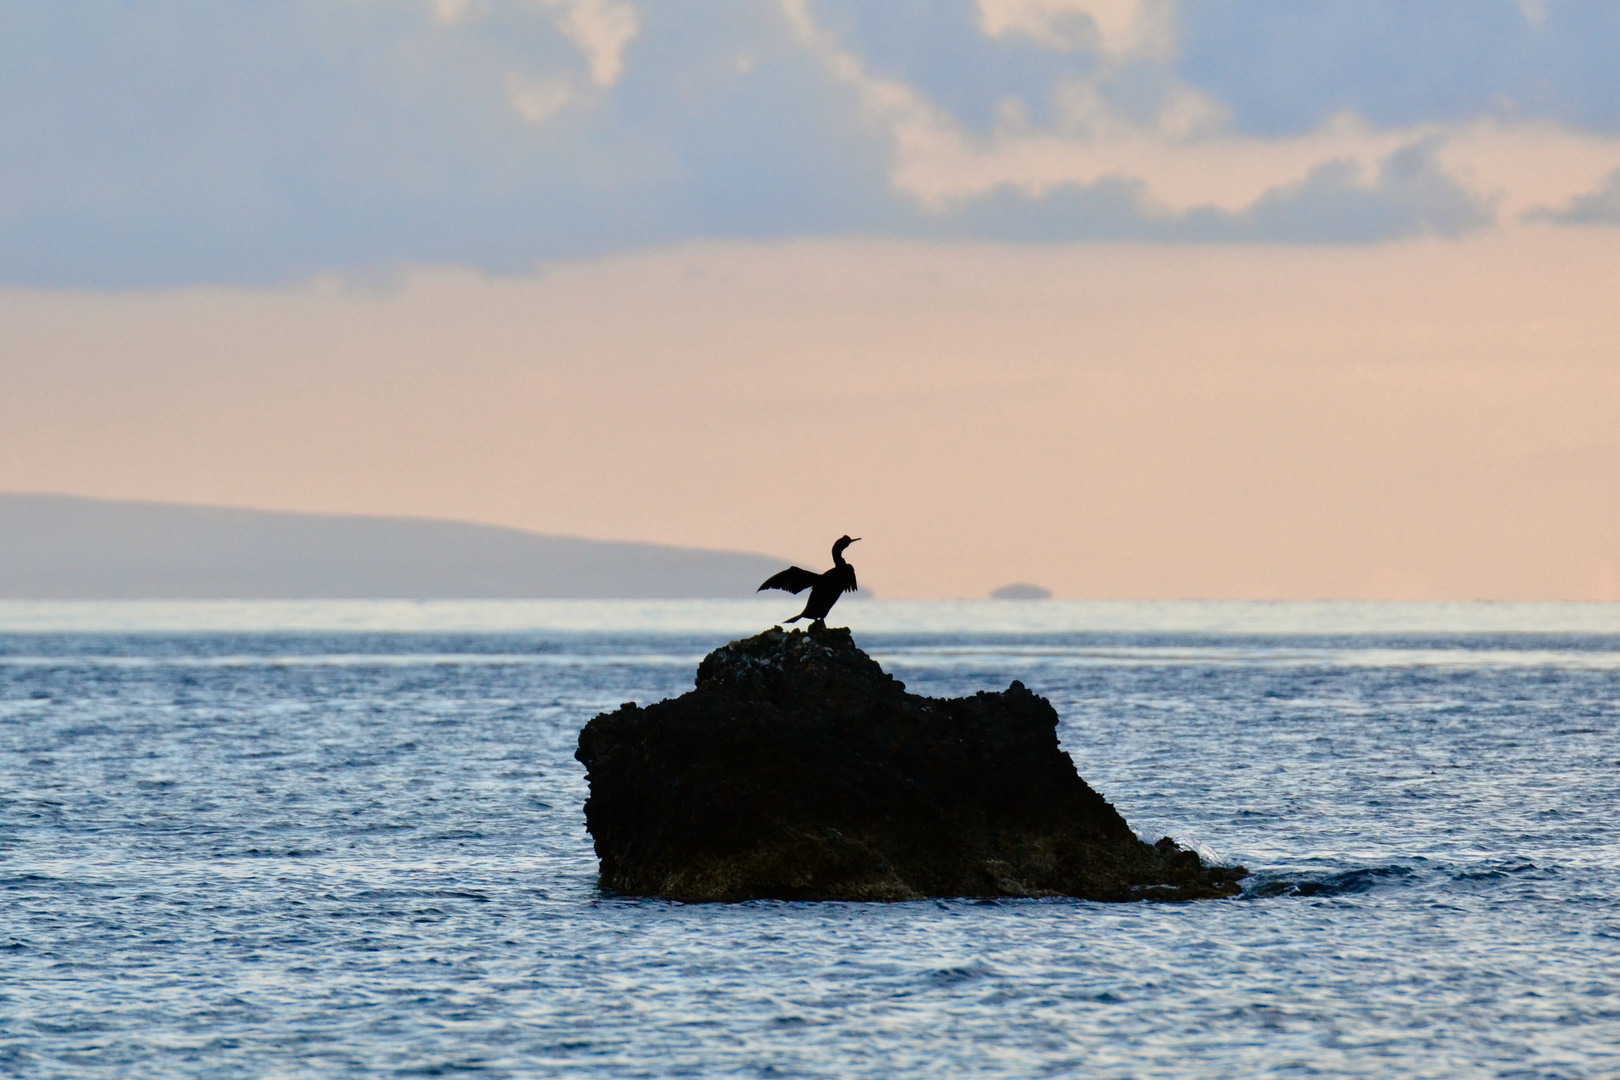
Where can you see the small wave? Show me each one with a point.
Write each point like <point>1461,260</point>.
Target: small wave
<point>1495,871</point>
<point>1345,883</point>
<point>270,853</point>
<point>418,894</point>
<point>953,975</point>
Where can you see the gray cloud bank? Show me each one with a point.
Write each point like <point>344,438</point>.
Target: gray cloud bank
<point>1411,195</point>
<point>1600,207</point>
<point>171,143</point>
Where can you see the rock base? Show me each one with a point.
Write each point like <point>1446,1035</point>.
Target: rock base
<point>799,770</point>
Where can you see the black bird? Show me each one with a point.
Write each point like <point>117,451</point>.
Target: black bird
<point>825,589</point>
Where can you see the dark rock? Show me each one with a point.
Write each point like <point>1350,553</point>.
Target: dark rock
<point>1021,590</point>
<point>798,769</point>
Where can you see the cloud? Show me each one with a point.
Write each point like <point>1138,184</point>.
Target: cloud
<point>1185,156</point>
<point>1412,194</point>
<point>1281,67</point>
<point>538,100</point>
<point>451,11</point>
<point>1114,28</point>
<point>601,29</point>
<point>254,143</point>
<point>1535,11</point>
<point>1599,207</point>
<point>1409,193</point>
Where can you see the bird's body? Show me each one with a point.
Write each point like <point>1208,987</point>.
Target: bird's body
<point>825,589</point>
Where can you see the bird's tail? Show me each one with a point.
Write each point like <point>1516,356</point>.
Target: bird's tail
<point>797,617</point>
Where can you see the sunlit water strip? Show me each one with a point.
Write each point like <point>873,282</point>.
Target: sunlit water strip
<point>938,658</point>
<point>737,617</point>
<point>350,660</point>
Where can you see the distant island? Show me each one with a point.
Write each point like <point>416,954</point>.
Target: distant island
<point>1021,590</point>
<point>60,547</point>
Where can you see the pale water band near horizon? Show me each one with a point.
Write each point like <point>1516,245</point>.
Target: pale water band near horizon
<point>884,617</point>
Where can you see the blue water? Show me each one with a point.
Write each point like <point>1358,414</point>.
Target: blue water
<point>322,853</point>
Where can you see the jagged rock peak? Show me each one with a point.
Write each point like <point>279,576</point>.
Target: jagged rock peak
<point>780,660</point>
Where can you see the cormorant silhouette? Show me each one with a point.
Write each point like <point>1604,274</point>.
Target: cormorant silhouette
<point>825,589</point>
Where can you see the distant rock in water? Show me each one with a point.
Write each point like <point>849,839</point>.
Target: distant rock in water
<point>798,769</point>
<point>1020,590</point>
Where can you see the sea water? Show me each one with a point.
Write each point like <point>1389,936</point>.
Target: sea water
<point>347,839</point>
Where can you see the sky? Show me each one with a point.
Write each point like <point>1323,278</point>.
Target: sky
<point>1126,298</point>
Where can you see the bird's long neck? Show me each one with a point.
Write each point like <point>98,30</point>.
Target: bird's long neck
<point>838,558</point>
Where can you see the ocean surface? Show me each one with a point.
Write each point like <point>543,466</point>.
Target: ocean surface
<point>346,840</point>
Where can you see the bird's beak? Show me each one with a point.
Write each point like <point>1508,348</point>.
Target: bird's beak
<point>853,539</point>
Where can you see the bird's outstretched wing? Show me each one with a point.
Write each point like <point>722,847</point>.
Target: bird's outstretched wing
<point>851,586</point>
<point>793,579</point>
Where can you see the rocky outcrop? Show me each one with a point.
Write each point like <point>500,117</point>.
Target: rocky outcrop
<point>798,769</point>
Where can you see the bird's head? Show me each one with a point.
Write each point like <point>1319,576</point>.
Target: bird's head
<point>841,543</point>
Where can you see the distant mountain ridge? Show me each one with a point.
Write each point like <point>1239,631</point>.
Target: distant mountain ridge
<point>62,547</point>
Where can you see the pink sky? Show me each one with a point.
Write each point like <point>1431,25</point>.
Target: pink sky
<point>1424,419</point>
